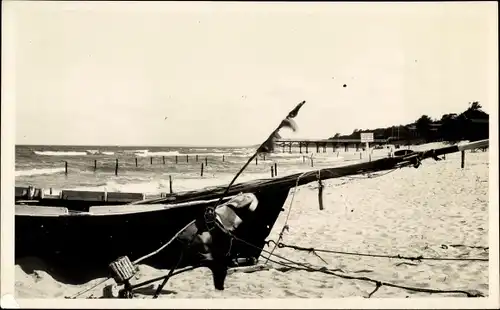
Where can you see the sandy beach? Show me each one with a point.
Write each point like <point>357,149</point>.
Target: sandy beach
<point>437,210</point>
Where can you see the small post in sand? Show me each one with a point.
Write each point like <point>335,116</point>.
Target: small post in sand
<point>116,167</point>
<point>256,160</point>
<point>176,159</point>
<point>201,169</point>
<point>312,162</point>
<point>272,172</point>
<point>206,161</point>
<point>276,169</point>
<point>187,158</point>
<point>95,165</point>
<point>136,162</point>
<point>65,167</point>
<point>170,182</point>
<point>462,164</point>
<point>196,157</point>
<point>222,158</point>
<point>151,160</point>
<point>163,157</point>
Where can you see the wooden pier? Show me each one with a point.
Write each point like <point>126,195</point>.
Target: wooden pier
<point>321,145</point>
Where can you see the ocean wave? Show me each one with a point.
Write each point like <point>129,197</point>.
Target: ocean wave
<point>146,153</point>
<point>38,171</point>
<point>135,151</point>
<point>59,153</point>
<point>98,152</point>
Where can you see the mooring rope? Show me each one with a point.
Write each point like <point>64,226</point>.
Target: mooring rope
<point>377,282</point>
<point>285,226</point>
<point>315,251</point>
<point>88,289</point>
<point>165,245</point>
<point>136,261</point>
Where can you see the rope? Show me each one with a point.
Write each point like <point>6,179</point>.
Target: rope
<point>313,250</point>
<point>88,289</point>
<point>136,261</point>
<point>285,226</point>
<point>379,283</point>
<point>165,245</point>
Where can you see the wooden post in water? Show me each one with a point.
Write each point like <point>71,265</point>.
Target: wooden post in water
<point>196,157</point>
<point>303,159</point>
<point>50,192</point>
<point>136,162</point>
<point>272,172</point>
<point>360,155</point>
<point>312,162</point>
<point>116,167</point>
<point>187,158</point>
<point>206,161</point>
<point>65,167</point>
<point>462,164</point>
<point>276,169</point>
<point>256,160</point>
<point>264,156</point>
<point>95,165</point>
<point>170,181</point>
<point>222,158</point>
<point>163,157</point>
<point>201,169</point>
<point>151,160</point>
<point>176,159</point>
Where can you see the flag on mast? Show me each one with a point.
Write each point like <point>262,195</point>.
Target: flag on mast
<point>288,122</point>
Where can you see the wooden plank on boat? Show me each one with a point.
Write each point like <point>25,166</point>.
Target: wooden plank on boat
<point>40,211</point>
<point>124,197</point>
<point>83,195</point>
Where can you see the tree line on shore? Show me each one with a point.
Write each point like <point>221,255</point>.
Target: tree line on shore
<point>472,125</point>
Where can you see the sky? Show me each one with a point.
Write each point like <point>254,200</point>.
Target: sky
<point>165,73</point>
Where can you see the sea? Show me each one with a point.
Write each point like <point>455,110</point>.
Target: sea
<point>93,167</point>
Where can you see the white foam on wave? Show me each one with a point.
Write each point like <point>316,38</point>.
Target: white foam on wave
<point>38,171</point>
<point>59,153</point>
<point>135,151</point>
<point>98,152</point>
<point>146,153</point>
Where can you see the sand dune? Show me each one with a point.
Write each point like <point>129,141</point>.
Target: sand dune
<point>437,210</point>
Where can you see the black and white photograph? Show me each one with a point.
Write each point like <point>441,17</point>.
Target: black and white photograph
<point>168,154</point>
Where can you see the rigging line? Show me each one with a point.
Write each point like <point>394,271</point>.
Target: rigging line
<point>325,270</point>
<point>299,248</point>
<point>137,260</point>
<point>165,245</point>
<point>88,289</point>
<point>285,226</point>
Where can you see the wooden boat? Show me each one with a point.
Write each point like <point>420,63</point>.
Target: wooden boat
<point>81,244</point>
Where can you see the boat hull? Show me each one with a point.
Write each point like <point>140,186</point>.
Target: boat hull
<point>78,248</point>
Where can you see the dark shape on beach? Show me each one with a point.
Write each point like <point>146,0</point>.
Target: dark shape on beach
<point>345,85</point>
<point>165,118</point>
